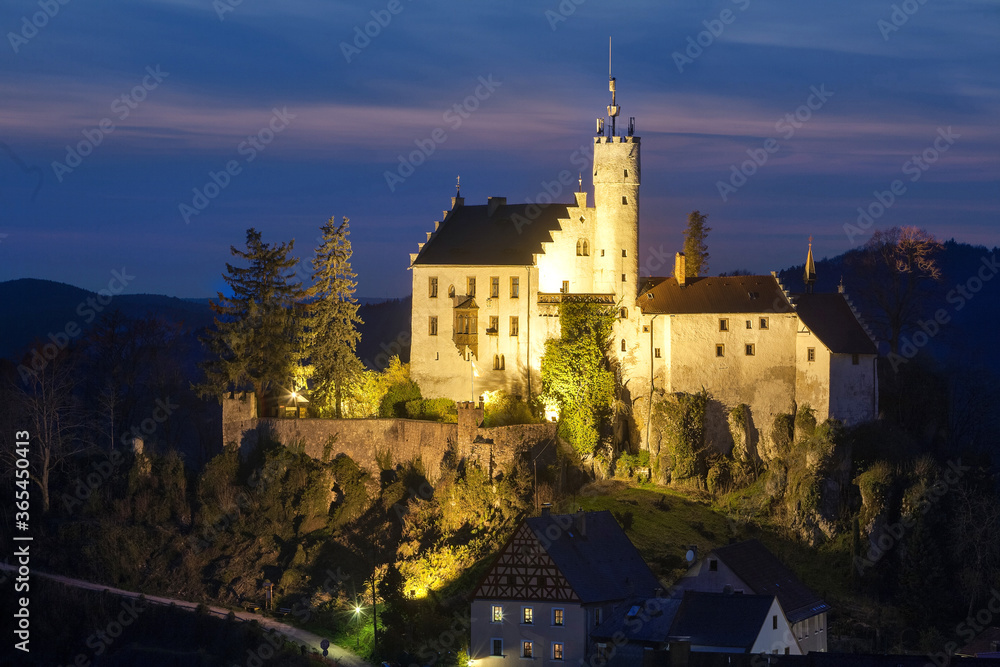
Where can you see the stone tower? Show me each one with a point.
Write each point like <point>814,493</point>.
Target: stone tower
<point>616,200</point>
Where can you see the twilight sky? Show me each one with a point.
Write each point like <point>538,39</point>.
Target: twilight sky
<point>309,117</point>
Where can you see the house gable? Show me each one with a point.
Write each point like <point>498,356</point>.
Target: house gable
<point>524,571</point>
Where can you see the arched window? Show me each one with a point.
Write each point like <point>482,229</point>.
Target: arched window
<point>502,365</point>
<point>623,344</point>
<point>583,248</point>
<point>498,362</point>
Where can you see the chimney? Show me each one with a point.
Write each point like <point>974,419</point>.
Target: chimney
<point>546,509</point>
<point>680,268</point>
<point>493,203</point>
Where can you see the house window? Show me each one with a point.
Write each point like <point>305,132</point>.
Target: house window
<point>855,359</point>
<point>713,565</point>
<point>495,287</point>
<point>513,325</point>
<point>515,287</point>
<point>470,286</point>
<point>749,349</point>
<point>497,614</point>
<point>526,650</point>
<point>565,287</point>
<point>623,344</point>
<point>749,324</point>
<point>432,326</point>
<point>497,647</point>
<point>432,287</point>
<point>623,313</point>
<point>763,323</point>
<point>774,622</point>
<point>557,651</point>
<point>494,325</point>
<point>498,364</point>
<point>811,354</point>
<point>624,199</point>
<point>527,615</point>
<point>583,248</point>
<point>723,325</point>
<point>656,352</point>
<point>626,173</point>
<point>557,617</point>
<point>720,350</point>
<point>624,252</point>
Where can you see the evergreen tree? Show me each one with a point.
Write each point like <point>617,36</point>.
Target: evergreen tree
<point>695,250</point>
<point>334,316</point>
<point>258,337</point>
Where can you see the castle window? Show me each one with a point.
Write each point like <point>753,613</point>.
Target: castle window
<point>749,324</point>
<point>749,348</point>
<point>626,173</point>
<point>623,344</point>
<point>656,353</point>
<point>565,287</point>
<point>623,313</point>
<point>855,359</point>
<point>470,286</point>
<point>624,199</point>
<point>720,350</point>
<point>432,287</point>
<point>498,362</point>
<point>451,290</point>
<point>432,326</point>
<point>623,277</point>
<point>645,328</point>
<point>497,614</point>
<point>602,253</point>
<point>624,252</point>
<point>723,324</point>
<point>583,248</point>
<point>557,617</point>
<point>763,323</point>
<point>515,287</point>
<point>494,325</point>
<point>811,354</point>
<point>495,287</point>
<point>513,325</point>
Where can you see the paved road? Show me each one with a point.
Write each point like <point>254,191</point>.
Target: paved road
<point>338,655</point>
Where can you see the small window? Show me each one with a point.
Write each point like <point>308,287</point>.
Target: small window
<point>557,651</point>
<point>497,647</point>
<point>514,325</point>
<point>565,287</point>
<point>645,328</point>
<point>515,287</point>
<point>451,290</point>
<point>811,354</point>
<point>432,287</point>
<point>602,253</point>
<point>763,323</point>
<point>774,622</point>
<point>720,350</point>
<point>624,252</point>
<point>623,344</point>
<point>526,650</point>
<point>432,326</point>
<point>749,324</point>
<point>624,199</point>
<point>749,349</point>
<point>723,324</point>
<point>557,617</point>
<point>498,362</point>
<point>494,325</point>
<point>597,617</point>
<point>855,359</point>
<point>656,353</point>
<point>788,650</point>
<point>527,615</point>
<point>623,277</point>
<point>495,287</point>
<point>470,286</point>
<point>713,565</point>
<point>623,313</point>
<point>497,614</point>
<point>626,173</point>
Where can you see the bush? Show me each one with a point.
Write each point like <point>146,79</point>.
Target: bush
<point>502,409</point>
<point>393,404</point>
<point>433,409</point>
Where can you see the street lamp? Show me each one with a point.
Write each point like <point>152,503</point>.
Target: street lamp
<point>358,612</point>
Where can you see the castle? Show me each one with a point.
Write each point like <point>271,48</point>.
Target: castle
<point>488,281</point>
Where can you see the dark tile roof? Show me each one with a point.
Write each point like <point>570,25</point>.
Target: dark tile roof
<point>736,294</point>
<point>509,237</point>
<point>764,574</point>
<point>721,619</point>
<point>649,626</point>
<point>599,561</point>
<point>830,317</point>
<point>982,645</point>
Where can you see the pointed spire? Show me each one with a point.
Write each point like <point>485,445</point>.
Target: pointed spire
<point>809,275</point>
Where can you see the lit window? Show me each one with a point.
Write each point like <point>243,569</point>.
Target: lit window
<point>527,615</point>
<point>497,647</point>
<point>515,287</point>
<point>720,350</point>
<point>497,614</point>
<point>526,650</point>
<point>557,617</point>
<point>723,325</point>
<point>749,349</point>
<point>557,651</point>
<point>514,325</point>
<point>495,287</point>
<point>432,287</point>
<point>433,326</point>
<point>656,353</point>
<point>763,323</point>
<point>811,354</point>
<point>470,286</point>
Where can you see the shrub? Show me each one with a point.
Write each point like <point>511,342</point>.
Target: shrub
<point>393,404</point>
<point>502,409</point>
<point>805,422</point>
<point>679,420</point>
<point>433,409</point>
<point>782,433</point>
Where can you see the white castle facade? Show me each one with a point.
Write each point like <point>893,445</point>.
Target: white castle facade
<point>488,281</point>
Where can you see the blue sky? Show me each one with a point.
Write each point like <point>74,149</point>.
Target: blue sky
<point>200,77</point>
